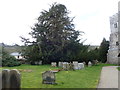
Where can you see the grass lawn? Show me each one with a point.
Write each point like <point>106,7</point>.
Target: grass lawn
<point>86,78</point>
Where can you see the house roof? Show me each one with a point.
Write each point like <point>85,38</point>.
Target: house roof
<point>15,54</point>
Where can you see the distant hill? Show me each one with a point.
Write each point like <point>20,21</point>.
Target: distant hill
<point>93,47</point>
<point>17,48</point>
<point>10,48</point>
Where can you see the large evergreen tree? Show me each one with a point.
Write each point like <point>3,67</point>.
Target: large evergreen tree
<point>53,33</point>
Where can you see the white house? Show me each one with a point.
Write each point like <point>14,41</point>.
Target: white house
<point>17,55</point>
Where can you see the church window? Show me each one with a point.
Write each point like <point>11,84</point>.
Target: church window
<point>115,25</point>
<point>117,43</point>
<point>119,55</point>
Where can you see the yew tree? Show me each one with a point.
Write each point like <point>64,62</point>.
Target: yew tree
<point>53,33</point>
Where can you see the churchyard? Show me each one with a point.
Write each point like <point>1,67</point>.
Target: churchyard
<point>31,76</point>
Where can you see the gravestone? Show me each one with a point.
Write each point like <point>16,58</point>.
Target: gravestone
<point>75,65</point>
<point>71,66</point>
<point>94,62</point>
<point>15,80</point>
<point>11,79</point>
<point>40,62</point>
<point>80,66</point>
<point>5,78</point>
<point>65,66</point>
<point>60,64</point>
<point>48,77</point>
<point>84,63</point>
<point>89,64</point>
<point>53,64</point>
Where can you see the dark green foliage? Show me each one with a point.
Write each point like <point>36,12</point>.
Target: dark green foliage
<point>55,37</point>
<point>103,50</point>
<point>8,60</point>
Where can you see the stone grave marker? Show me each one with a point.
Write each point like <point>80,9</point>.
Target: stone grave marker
<point>11,79</point>
<point>75,65</point>
<point>89,64</point>
<point>60,64</point>
<point>80,66</point>
<point>84,63</point>
<point>95,62</point>
<point>15,79</point>
<point>48,77</point>
<point>65,65</point>
<point>40,62</point>
<point>53,64</point>
<point>5,78</point>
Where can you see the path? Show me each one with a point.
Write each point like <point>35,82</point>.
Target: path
<point>109,77</point>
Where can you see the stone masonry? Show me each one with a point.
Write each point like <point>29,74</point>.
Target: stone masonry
<point>113,56</point>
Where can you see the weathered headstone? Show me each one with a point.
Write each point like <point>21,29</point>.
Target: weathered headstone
<point>64,66</point>
<point>40,62</point>
<point>15,80</point>
<point>60,64</point>
<point>94,62</point>
<point>48,77</point>
<point>71,66</point>
<point>53,64</point>
<point>80,66</point>
<point>89,64</point>
<point>84,63</point>
<point>11,79</point>
<point>75,64</point>
<point>5,78</point>
<point>67,66</point>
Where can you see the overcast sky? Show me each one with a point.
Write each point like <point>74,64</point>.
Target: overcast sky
<point>91,17</point>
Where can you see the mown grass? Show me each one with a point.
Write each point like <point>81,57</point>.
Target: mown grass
<point>86,78</point>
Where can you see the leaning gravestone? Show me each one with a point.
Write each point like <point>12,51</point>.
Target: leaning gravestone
<point>48,77</point>
<point>75,64</point>
<point>89,64</point>
<point>5,78</point>
<point>15,80</point>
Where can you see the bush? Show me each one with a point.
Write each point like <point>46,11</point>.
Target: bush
<point>8,60</point>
